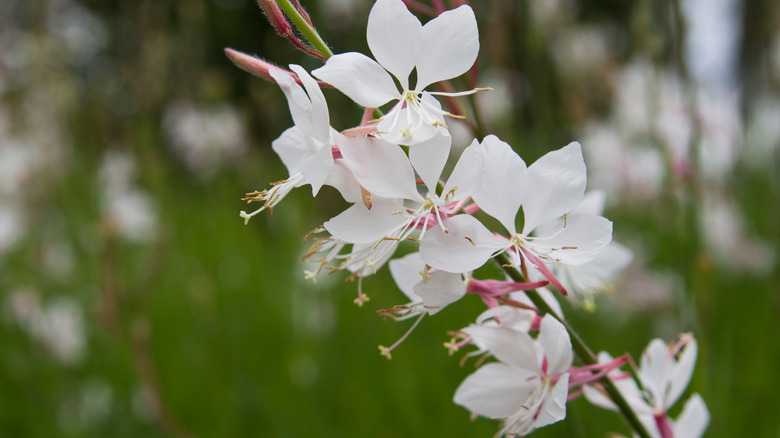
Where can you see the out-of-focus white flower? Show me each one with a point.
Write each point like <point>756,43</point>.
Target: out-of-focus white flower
<point>59,324</point>
<point>128,208</point>
<point>205,138</point>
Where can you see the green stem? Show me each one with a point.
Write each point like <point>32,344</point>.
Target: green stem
<point>581,349</point>
<point>308,31</point>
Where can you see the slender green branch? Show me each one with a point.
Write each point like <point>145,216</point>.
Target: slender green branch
<point>581,349</point>
<point>308,31</point>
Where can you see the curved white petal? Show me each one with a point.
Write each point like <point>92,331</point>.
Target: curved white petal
<point>448,46</point>
<point>501,192</point>
<point>466,247</point>
<point>554,407</point>
<point>357,224</point>
<point>555,186</point>
<point>320,119</point>
<point>297,100</point>
<point>467,175</point>
<point>317,168</point>
<point>654,371</point>
<point>693,420</point>
<point>429,158</point>
<point>509,346</point>
<point>556,345</point>
<point>440,289</point>
<point>407,272</point>
<point>495,390</point>
<point>360,78</point>
<point>392,33</point>
<point>580,241</point>
<point>382,168</point>
<point>681,373</point>
<point>293,146</point>
<point>342,179</point>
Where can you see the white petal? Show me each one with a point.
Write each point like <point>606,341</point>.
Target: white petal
<point>466,247</point>
<point>693,420</point>
<point>681,373</point>
<point>320,119</point>
<point>555,186</point>
<point>554,407</point>
<point>467,175</point>
<point>360,78</point>
<point>382,168</point>
<point>293,146</point>
<point>317,168</point>
<point>393,32</point>
<point>439,289</point>
<point>502,188</point>
<point>342,179</point>
<point>509,346</point>
<point>495,390</point>
<point>556,345</point>
<point>357,224</point>
<point>580,241</point>
<point>297,100</point>
<point>406,272</point>
<point>429,158</point>
<point>448,46</point>
<point>654,371</point>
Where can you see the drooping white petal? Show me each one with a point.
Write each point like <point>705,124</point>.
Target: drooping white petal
<point>317,167</point>
<point>382,168</point>
<point>509,346</point>
<point>466,247</point>
<point>293,146</point>
<point>407,271</point>
<point>580,241</point>
<point>439,289</point>
<point>555,186</point>
<point>495,390</point>
<point>320,119</point>
<point>360,78</point>
<point>556,345</point>
<point>554,407</point>
<point>448,46</point>
<point>429,158</point>
<point>297,100</point>
<point>654,371</point>
<point>681,373</point>
<point>392,33</point>
<point>693,420</point>
<point>501,192</point>
<point>357,224</point>
<point>467,175</point>
<point>342,179</point>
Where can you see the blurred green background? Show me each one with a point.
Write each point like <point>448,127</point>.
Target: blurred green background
<point>134,302</point>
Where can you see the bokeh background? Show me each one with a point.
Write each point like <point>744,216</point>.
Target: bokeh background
<point>134,301</point>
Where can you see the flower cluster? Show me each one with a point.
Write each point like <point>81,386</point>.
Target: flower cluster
<point>536,220</point>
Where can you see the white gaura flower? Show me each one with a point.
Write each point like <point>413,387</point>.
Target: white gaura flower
<point>529,386</point>
<point>446,47</point>
<point>306,148</point>
<point>664,373</point>
<point>548,191</point>
<point>397,208</point>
